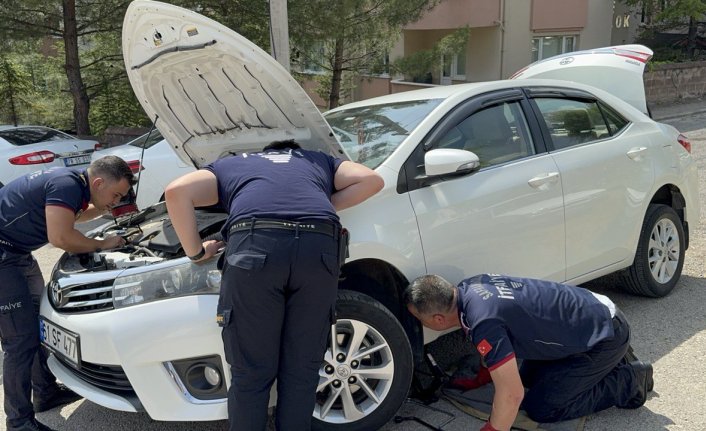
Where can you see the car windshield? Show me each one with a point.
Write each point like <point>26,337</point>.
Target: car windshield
<point>370,134</point>
<point>152,139</point>
<point>33,135</point>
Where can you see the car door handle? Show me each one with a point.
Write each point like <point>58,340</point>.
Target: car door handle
<point>636,152</point>
<point>543,179</point>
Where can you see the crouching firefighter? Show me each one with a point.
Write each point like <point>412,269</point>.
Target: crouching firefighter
<point>574,344</point>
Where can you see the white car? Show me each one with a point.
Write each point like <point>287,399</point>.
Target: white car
<point>538,178</point>
<point>26,149</point>
<point>158,167</point>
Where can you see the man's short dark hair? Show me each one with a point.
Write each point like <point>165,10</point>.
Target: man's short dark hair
<point>430,294</point>
<point>113,168</point>
<point>282,145</point>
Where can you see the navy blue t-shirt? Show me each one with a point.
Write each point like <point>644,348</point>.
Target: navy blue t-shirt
<point>277,184</point>
<point>511,317</point>
<point>23,224</point>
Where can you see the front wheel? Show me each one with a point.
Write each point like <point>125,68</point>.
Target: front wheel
<point>660,254</point>
<point>367,367</point>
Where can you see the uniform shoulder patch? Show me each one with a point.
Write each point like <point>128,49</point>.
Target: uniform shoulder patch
<point>484,347</point>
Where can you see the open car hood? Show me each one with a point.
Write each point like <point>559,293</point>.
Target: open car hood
<point>616,69</point>
<point>212,92</point>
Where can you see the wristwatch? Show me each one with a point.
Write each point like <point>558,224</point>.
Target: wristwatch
<point>199,255</point>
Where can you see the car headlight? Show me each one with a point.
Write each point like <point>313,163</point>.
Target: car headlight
<point>179,280</point>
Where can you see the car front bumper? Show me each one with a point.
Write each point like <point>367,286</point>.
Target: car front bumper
<point>144,340</point>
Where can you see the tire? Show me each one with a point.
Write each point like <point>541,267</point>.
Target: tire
<point>371,400</point>
<point>660,254</point>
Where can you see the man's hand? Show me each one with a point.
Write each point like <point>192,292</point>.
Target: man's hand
<point>211,247</point>
<point>112,242</point>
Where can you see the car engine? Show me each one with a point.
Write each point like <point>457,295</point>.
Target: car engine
<point>149,238</point>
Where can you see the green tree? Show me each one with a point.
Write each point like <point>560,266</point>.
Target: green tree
<point>71,21</point>
<point>348,36</point>
<point>671,14</point>
<point>416,65</point>
<point>16,90</point>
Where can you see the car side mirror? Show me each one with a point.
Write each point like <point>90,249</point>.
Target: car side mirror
<point>448,161</point>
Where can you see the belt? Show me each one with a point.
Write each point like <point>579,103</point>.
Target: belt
<point>316,226</point>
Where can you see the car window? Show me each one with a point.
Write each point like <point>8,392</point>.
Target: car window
<point>153,138</point>
<point>370,134</point>
<point>572,122</point>
<point>33,135</point>
<point>616,123</point>
<point>498,134</point>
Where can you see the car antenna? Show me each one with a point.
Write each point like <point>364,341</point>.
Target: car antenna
<point>129,202</point>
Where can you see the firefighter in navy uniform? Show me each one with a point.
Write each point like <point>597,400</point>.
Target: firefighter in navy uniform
<point>35,209</point>
<point>281,268</point>
<point>573,344</point>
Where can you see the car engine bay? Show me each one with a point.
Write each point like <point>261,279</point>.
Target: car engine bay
<point>149,238</point>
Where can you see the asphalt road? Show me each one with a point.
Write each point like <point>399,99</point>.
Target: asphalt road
<point>669,332</point>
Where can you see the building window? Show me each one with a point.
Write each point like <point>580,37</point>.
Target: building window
<point>549,46</point>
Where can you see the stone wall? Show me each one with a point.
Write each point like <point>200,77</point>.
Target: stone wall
<point>668,83</point>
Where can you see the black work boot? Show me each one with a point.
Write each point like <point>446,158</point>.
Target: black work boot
<point>62,396</point>
<point>31,425</point>
<point>644,383</point>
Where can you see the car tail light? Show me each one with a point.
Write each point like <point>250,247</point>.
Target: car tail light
<point>684,142</point>
<point>98,146</point>
<point>34,158</point>
<point>635,55</point>
<point>135,166</point>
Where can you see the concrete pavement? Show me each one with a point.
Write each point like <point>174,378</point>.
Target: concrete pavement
<point>664,112</point>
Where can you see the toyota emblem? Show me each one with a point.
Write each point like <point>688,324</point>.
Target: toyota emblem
<point>567,60</point>
<point>57,296</point>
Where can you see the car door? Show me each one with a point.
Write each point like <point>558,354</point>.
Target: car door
<point>508,216</point>
<point>606,172</point>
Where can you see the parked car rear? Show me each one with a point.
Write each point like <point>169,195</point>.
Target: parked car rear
<point>26,149</point>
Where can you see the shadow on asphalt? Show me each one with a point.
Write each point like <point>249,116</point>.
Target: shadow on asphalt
<point>94,417</point>
<point>659,325</point>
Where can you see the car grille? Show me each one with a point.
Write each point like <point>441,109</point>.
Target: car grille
<point>82,298</point>
<point>110,378</point>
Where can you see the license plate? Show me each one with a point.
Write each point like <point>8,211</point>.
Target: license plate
<point>78,160</point>
<point>59,340</point>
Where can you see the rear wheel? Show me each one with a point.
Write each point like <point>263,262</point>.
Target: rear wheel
<point>367,368</point>
<point>660,254</point>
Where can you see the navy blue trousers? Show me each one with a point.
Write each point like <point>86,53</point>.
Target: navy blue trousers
<point>277,299</point>
<point>24,362</point>
<point>581,384</point>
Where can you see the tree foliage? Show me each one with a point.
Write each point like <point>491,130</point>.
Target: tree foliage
<point>16,90</point>
<point>673,15</point>
<point>76,23</point>
<point>348,36</point>
<point>420,63</point>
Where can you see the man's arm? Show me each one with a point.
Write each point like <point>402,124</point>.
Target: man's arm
<point>509,393</point>
<point>89,214</point>
<point>183,195</point>
<point>62,233</point>
<point>354,184</point>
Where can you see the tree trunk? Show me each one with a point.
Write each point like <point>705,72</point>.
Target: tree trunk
<point>337,73</point>
<point>73,70</point>
<point>691,41</point>
<point>11,92</point>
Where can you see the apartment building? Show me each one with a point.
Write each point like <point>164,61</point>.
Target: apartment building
<point>504,36</point>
